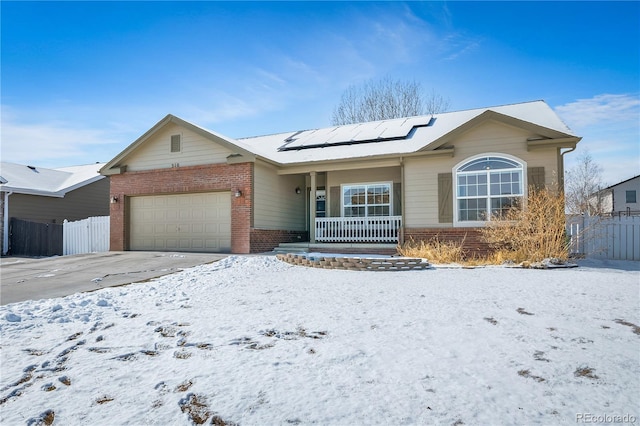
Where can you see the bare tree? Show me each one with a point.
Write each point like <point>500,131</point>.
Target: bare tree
<point>385,99</point>
<point>583,185</point>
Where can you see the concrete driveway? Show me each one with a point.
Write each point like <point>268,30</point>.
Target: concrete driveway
<point>31,279</point>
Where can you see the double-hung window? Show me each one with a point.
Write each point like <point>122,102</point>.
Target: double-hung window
<point>366,200</point>
<point>486,187</point>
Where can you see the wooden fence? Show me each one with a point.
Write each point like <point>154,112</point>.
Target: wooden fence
<point>605,237</point>
<point>89,235</point>
<point>34,238</point>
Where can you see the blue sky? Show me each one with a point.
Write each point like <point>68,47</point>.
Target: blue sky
<point>82,80</point>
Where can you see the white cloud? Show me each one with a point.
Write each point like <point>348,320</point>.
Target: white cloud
<point>600,110</point>
<point>53,143</point>
<point>456,45</point>
<point>610,128</point>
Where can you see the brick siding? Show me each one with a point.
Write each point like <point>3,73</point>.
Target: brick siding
<point>264,240</point>
<point>473,241</point>
<point>215,177</point>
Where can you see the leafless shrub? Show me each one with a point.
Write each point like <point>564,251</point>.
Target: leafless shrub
<point>530,233</point>
<point>434,250</point>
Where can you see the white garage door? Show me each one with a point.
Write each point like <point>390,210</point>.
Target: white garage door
<point>182,222</point>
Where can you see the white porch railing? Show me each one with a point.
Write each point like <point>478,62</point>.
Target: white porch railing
<point>379,229</point>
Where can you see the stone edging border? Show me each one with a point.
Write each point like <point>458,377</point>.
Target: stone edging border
<point>355,263</point>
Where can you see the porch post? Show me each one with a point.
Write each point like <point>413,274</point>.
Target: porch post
<point>312,209</point>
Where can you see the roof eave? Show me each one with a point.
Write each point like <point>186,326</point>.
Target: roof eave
<point>570,142</point>
<point>29,191</point>
<point>366,162</point>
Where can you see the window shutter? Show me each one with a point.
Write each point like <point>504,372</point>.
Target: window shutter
<point>397,199</point>
<point>535,177</point>
<point>334,202</point>
<point>445,198</point>
<point>175,143</point>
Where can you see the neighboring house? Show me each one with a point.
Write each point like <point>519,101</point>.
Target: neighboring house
<point>182,187</point>
<point>42,195</point>
<point>619,199</point>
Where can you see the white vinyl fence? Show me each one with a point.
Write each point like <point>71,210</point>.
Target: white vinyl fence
<point>90,235</point>
<point>605,237</point>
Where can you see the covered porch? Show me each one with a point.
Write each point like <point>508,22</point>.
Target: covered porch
<point>355,204</point>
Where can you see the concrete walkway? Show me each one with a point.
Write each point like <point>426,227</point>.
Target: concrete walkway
<point>30,279</point>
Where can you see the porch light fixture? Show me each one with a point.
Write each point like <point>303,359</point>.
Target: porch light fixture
<point>114,199</point>
<point>298,190</point>
<point>238,193</point>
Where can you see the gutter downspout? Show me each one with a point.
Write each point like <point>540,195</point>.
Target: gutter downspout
<point>5,225</point>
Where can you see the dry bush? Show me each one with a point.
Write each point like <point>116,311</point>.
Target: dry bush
<point>434,250</point>
<point>531,234</point>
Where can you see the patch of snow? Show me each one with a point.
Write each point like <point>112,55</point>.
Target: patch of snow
<point>553,263</point>
<point>11,317</point>
<point>252,340</point>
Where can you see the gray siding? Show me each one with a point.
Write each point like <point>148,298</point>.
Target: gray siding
<point>620,192</point>
<point>276,204</point>
<point>421,174</point>
<point>89,200</point>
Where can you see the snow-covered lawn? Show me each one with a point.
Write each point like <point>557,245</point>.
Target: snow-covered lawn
<point>254,341</point>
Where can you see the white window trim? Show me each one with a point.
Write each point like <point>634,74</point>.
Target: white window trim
<point>368,184</point>
<point>454,172</point>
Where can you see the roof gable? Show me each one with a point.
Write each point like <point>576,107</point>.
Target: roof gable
<point>118,163</point>
<point>489,114</point>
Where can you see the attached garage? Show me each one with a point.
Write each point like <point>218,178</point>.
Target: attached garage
<point>199,222</point>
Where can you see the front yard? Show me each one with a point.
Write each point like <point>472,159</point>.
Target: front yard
<point>252,340</point>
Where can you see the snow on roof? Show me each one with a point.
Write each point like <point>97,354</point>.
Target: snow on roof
<point>400,136</point>
<point>396,136</point>
<point>32,180</point>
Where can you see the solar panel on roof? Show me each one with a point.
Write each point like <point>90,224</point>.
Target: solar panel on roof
<point>361,133</point>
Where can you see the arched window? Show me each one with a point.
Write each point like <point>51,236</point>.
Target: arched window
<point>487,186</point>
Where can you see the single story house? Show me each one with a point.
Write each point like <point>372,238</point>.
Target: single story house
<point>42,195</point>
<point>619,199</point>
<point>182,187</point>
